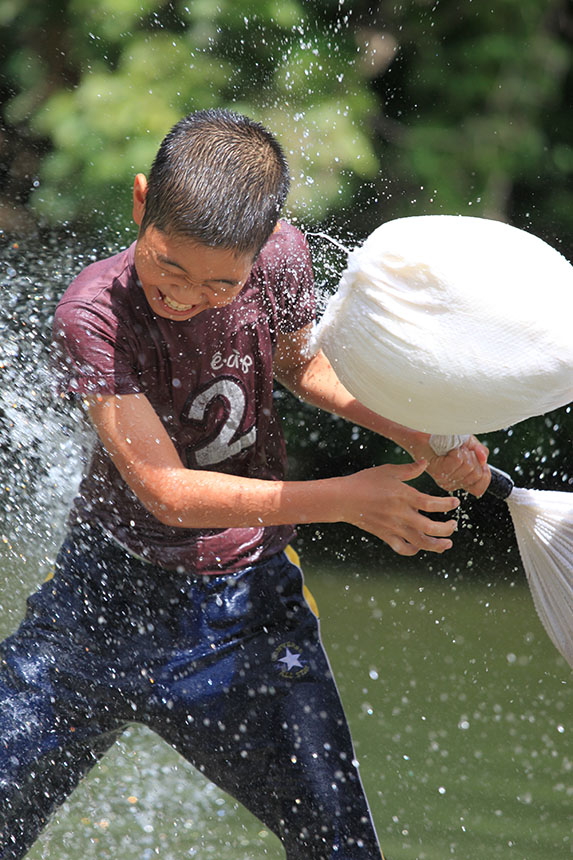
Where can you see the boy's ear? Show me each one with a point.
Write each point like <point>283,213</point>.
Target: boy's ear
<point>139,195</point>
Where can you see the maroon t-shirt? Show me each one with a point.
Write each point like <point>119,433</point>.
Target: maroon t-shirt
<point>210,380</point>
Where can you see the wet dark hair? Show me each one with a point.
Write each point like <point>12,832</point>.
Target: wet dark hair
<point>218,178</point>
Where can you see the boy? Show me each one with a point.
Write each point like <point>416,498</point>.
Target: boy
<point>174,602</point>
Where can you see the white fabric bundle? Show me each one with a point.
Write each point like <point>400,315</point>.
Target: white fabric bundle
<point>543,523</point>
<point>453,324</point>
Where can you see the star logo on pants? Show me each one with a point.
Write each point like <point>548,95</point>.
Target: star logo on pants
<point>288,658</point>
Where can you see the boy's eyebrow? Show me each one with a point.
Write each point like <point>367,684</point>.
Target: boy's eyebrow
<point>163,259</point>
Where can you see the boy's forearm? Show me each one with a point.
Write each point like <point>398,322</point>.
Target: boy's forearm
<point>198,499</point>
<point>316,383</point>
<point>465,468</point>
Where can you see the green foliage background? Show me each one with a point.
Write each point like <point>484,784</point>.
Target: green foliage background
<point>384,108</point>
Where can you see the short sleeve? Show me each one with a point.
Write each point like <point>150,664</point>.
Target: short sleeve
<point>289,272</point>
<point>91,353</point>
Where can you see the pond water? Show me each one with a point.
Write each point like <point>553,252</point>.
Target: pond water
<point>459,705</point>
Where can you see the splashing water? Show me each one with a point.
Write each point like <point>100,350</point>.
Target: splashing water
<point>329,256</point>
<point>42,442</point>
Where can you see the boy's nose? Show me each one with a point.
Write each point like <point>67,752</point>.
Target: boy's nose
<point>189,296</point>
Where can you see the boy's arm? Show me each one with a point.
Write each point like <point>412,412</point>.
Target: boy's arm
<point>314,380</point>
<point>377,500</point>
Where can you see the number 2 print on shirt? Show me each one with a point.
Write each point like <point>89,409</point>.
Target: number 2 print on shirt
<point>221,407</point>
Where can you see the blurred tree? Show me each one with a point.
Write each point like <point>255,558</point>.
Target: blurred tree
<point>384,109</point>
<point>98,85</point>
<point>475,112</point>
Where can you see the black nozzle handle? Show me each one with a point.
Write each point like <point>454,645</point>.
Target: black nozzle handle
<point>501,484</point>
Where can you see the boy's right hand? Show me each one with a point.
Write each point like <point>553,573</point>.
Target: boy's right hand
<point>379,501</point>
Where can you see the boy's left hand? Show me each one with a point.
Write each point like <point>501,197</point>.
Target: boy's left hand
<point>463,468</point>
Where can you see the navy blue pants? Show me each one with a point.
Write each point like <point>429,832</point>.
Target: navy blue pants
<point>228,669</point>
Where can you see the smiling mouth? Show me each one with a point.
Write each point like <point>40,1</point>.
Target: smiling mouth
<point>175,306</point>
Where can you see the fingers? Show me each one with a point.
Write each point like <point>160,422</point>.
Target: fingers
<point>406,471</point>
<point>411,541</point>
<point>379,501</point>
<point>436,528</point>
<point>419,532</point>
<point>430,534</point>
<point>480,485</point>
<point>456,465</point>
<point>436,504</point>
<point>471,476</point>
<point>479,449</point>
<point>465,468</point>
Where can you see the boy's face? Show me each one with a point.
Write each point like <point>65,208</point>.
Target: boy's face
<point>180,277</point>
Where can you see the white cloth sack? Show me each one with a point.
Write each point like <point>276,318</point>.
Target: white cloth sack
<point>543,521</point>
<point>453,324</point>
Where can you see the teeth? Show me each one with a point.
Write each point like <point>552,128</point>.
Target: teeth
<point>171,303</point>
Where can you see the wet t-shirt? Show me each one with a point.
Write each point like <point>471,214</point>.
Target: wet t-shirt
<point>210,380</point>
